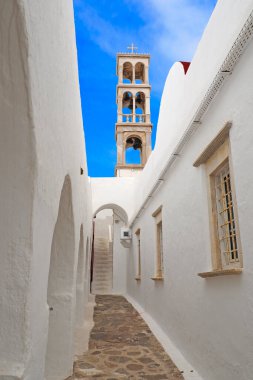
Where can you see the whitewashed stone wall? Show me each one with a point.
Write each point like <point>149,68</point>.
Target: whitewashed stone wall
<point>209,320</point>
<point>45,202</point>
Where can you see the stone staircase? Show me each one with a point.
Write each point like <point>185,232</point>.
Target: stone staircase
<point>102,269</point>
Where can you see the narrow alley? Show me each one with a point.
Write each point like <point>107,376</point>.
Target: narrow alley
<point>122,346</point>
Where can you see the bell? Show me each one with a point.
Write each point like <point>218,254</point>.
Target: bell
<point>137,144</point>
<point>130,141</point>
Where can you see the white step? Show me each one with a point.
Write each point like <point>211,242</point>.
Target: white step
<point>103,261</point>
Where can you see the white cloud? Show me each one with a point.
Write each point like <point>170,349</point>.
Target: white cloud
<point>175,26</point>
<point>170,31</point>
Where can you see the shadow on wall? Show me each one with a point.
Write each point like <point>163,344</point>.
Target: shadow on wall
<point>59,357</point>
<point>17,166</point>
<point>80,275</point>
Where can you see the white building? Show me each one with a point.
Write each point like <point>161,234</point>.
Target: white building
<point>188,266</point>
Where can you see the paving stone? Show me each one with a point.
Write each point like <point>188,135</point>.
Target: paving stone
<point>122,346</point>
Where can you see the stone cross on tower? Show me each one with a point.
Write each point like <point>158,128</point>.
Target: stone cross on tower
<point>132,47</point>
<point>133,127</point>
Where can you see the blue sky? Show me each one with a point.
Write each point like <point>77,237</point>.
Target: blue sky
<point>167,29</point>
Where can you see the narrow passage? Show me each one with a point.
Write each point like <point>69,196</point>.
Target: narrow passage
<point>122,346</point>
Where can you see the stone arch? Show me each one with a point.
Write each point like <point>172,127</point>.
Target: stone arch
<point>139,72</point>
<point>87,254</point>
<point>127,72</point>
<point>127,106</point>
<point>60,297</point>
<point>17,166</point>
<point>133,149</point>
<point>127,99</point>
<point>103,258</point>
<point>118,211</point>
<point>80,302</point>
<point>140,107</point>
<point>140,101</point>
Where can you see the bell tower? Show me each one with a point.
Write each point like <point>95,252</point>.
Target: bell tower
<point>133,127</point>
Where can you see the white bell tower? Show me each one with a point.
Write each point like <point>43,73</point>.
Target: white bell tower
<point>133,127</point>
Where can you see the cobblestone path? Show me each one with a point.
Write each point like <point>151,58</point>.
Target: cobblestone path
<point>122,346</point>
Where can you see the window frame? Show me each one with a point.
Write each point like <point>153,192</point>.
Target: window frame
<point>159,264</point>
<point>138,237</point>
<point>214,157</point>
<point>213,166</point>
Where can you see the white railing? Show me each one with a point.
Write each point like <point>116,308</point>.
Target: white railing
<point>129,118</point>
<point>140,118</point>
<point>126,118</point>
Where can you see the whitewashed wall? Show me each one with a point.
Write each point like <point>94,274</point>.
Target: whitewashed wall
<point>113,193</point>
<point>120,256</point>
<point>209,320</point>
<point>42,148</point>
<point>183,94</point>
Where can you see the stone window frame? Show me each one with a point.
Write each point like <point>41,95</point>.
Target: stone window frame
<point>215,157</point>
<point>138,238</point>
<point>159,267</point>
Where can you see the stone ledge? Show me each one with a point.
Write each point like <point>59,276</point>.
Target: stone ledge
<point>157,278</point>
<point>130,166</point>
<point>221,272</point>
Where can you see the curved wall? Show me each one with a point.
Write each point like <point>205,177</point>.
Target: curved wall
<point>42,142</point>
<point>17,169</point>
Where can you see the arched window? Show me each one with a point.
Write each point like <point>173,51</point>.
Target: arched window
<point>139,73</point>
<point>140,106</point>
<point>127,106</point>
<point>133,150</point>
<point>127,72</point>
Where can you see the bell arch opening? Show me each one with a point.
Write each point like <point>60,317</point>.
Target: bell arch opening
<point>139,73</point>
<point>127,107</point>
<point>140,107</point>
<point>127,72</point>
<point>133,150</point>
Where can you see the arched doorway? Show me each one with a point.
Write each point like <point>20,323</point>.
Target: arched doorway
<point>108,220</point>
<point>60,297</point>
<point>87,254</point>
<point>80,277</point>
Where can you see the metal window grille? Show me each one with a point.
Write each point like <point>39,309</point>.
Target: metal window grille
<point>226,218</point>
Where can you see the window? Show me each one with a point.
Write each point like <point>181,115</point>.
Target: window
<point>225,240</point>
<point>138,237</point>
<point>159,244</point>
<point>227,234</point>
<point>133,150</point>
